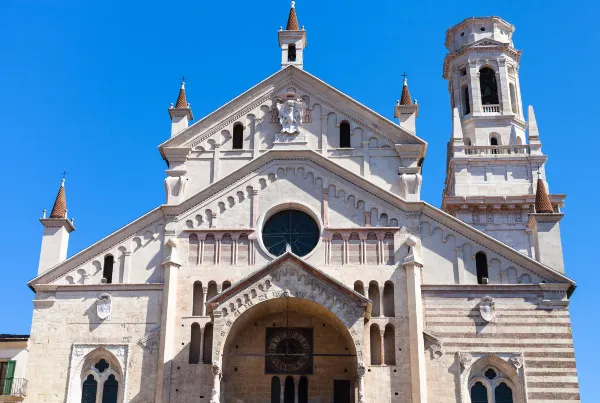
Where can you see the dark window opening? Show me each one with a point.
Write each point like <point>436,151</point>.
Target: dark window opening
<point>275,390</point>
<point>481,265</point>
<point>303,390</point>
<point>238,137</point>
<point>208,341</point>
<point>489,86</point>
<point>291,227</point>
<point>466,101</point>
<point>110,390</point>
<point>345,135</point>
<point>289,392</point>
<point>195,344</point>
<point>494,142</point>
<point>490,374</point>
<point>90,388</point>
<point>291,53</point>
<point>479,393</point>
<point>109,262</point>
<point>503,394</point>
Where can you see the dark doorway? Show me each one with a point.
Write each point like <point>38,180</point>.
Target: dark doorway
<point>341,391</point>
<point>289,394</point>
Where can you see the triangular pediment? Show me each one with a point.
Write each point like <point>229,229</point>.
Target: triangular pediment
<point>484,43</point>
<point>307,282</point>
<point>269,89</point>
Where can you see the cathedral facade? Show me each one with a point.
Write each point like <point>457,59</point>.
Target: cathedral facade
<point>294,260</point>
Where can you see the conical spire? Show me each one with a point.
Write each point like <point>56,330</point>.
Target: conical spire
<point>405,99</point>
<point>181,99</point>
<point>542,200</point>
<point>292,24</point>
<point>59,210</point>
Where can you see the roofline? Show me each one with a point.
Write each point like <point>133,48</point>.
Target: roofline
<point>290,69</point>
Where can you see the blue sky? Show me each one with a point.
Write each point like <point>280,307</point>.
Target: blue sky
<point>85,86</point>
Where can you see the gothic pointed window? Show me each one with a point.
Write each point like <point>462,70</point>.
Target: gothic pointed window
<point>489,86</point>
<point>345,135</point>
<point>291,53</point>
<point>503,394</point>
<point>107,272</point>
<point>479,393</point>
<point>110,390</point>
<point>481,265</point>
<point>238,137</point>
<point>90,390</point>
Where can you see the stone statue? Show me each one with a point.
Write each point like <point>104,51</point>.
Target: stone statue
<point>291,114</point>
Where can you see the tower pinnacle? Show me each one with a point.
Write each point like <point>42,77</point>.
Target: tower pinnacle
<point>405,99</point>
<point>181,113</point>
<point>292,24</point>
<point>181,98</point>
<point>59,210</point>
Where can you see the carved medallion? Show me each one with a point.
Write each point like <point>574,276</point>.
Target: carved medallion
<point>487,309</point>
<point>104,307</point>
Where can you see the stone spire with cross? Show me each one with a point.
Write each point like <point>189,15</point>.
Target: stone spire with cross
<point>292,41</point>
<point>57,228</point>
<point>406,111</point>
<point>181,114</point>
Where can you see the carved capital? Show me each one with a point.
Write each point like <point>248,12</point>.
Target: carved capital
<point>465,359</point>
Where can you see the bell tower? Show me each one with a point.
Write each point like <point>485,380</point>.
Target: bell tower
<point>292,41</point>
<point>492,169</point>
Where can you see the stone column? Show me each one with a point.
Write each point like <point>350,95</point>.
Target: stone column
<point>216,391</point>
<point>282,396</point>
<point>323,140</point>
<point>366,165</point>
<point>460,265</point>
<point>216,163</point>
<point>345,254</point>
<point>325,204</point>
<point>201,251</point>
<point>296,387</point>
<point>415,331</point>
<point>204,296</point>
<point>167,332</point>
<point>382,331</point>
<point>218,254</point>
<point>360,372</point>
<point>475,90</point>
<point>126,264</point>
<point>254,208</point>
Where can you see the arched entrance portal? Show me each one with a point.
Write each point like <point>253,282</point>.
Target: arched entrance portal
<point>288,324</point>
<point>294,343</point>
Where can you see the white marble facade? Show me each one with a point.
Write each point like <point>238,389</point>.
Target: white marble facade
<point>175,305</point>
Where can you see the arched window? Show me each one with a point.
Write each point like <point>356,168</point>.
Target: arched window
<point>291,53</point>
<point>337,249</point>
<point>209,253</point>
<point>195,344</point>
<point>345,135</point>
<point>100,379</point>
<point>494,141</point>
<point>375,337</point>
<point>275,390</point>
<point>466,101</point>
<point>372,249</point>
<point>479,393</point>
<point>90,390</point>
<point>375,299</point>
<point>481,264</point>
<point>208,341</point>
<point>238,137</point>
<point>226,257</point>
<point>107,273</point>
<point>198,301</point>
<point>289,392</point>
<point>388,249</point>
<point>226,285</point>
<point>354,249</point>
<point>243,252</point>
<point>388,300</point>
<point>194,250</point>
<point>503,394</point>
<point>488,86</point>
<point>110,390</point>
<point>359,287</point>
<point>303,390</point>
<point>211,291</point>
<point>389,345</point>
